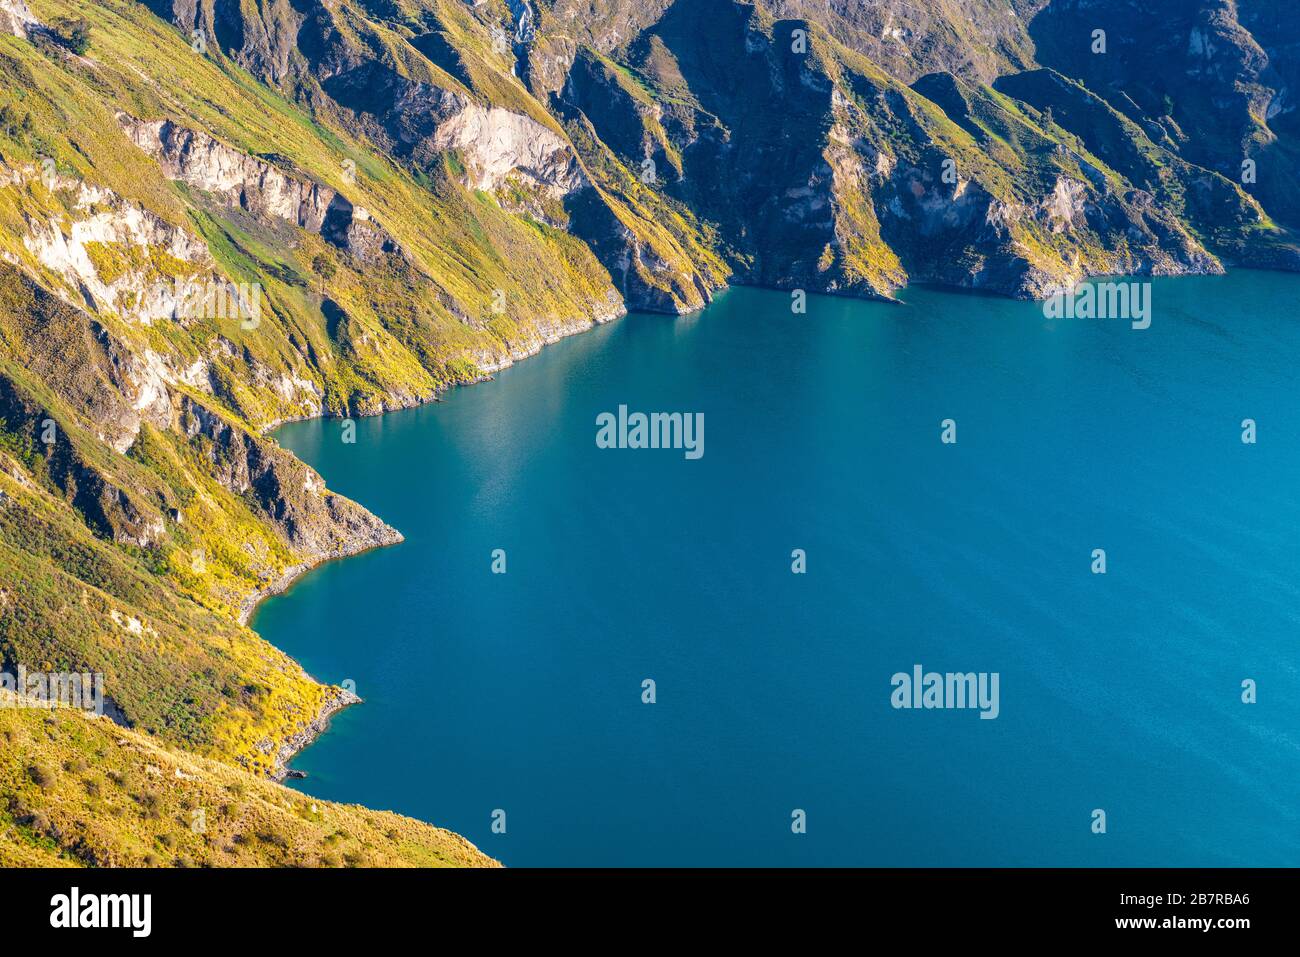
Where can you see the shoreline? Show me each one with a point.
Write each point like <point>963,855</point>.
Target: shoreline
<point>253,600</point>
<point>487,371</point>
<point>297,743</point>
<point>337,699</point>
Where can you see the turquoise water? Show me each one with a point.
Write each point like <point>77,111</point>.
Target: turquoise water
<point>522,692</point>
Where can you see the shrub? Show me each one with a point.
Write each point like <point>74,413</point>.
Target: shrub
<point>149,803</point>
<point>41,776</point>
<point>74,34</point>
<point>269,835</point>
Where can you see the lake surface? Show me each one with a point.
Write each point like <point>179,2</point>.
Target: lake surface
<point>1119,691</point>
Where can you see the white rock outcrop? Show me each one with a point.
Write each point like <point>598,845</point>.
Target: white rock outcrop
<point>497,144</point>
<point>16,18</point>
<point>240,180</point>
<point>205,163</point>
<point>63,245</point>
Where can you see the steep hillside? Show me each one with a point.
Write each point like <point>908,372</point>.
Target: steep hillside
<point>216,216</point>
<point>850,178</point>
<point>1212,82</point>
<point>80,792</point>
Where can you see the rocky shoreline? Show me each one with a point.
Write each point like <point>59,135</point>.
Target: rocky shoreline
<point>291,574</point>
<point>336,699</point>
<point>339,698</point>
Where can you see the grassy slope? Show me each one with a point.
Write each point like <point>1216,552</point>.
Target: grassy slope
<point>189,675</point>
<point>80,791</point>
<point>76,594</point>
<point>402,336</point>
<point>139,64</point>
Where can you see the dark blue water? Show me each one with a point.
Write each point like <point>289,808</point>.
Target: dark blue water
<point>1122,691</point>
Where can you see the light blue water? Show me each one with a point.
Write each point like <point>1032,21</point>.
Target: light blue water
<point>522,691</point>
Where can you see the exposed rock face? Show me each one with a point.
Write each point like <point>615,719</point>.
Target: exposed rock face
<point>539,166</point>
<point>796,192</point>
<point>1213,82</point>
<point>549,333</point>
<point>498,143</point>
<point>977,40</point>
<point>259,36</point>
<point>16,18</point>
<point>292,495</point>
<point>120,389</point>
<point>204,163</point>
<point>254,185</point>
<point>998,236</point>
<point>108,501</point>
<point>760,175</point>
<point>335,701</point>
<point>117,254</point>
<point>627,122</point>
<point>390,93</point>
<point>851,182</point>
<point>567,26</point>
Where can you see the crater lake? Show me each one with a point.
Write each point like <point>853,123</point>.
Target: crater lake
<point>523,692</point>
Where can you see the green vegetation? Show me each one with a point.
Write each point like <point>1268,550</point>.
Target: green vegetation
<point>142,512</point>
<point>80,792</point>
<point>74,33</point>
